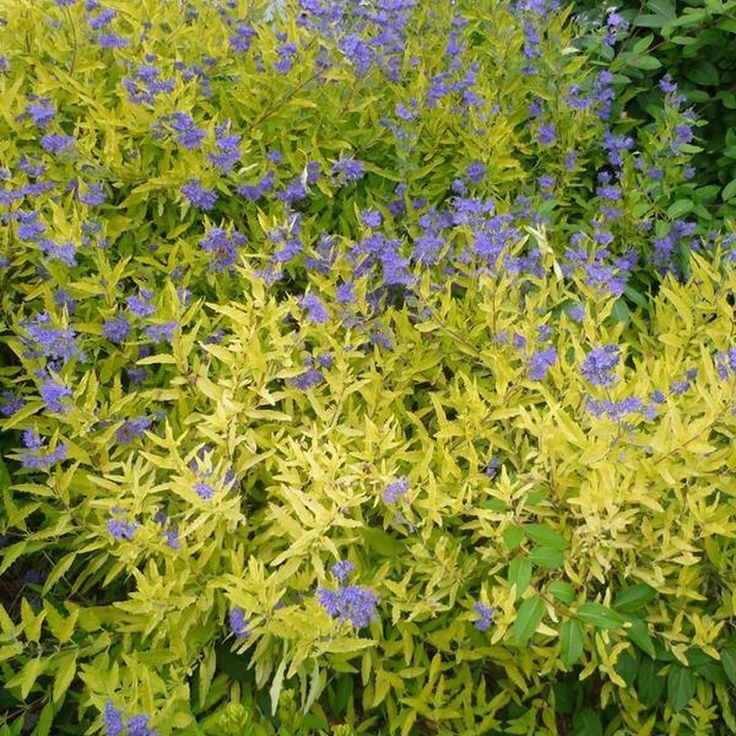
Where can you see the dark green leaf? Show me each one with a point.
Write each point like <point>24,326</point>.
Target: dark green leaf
<point>679,208</point>
<point>627,666</point>
<point>546,557</point>
<point>728,660</point>
<point>702,72</point>
<point>513,536</point>
<point>562,591</point>
<point>729,191</point>
<point>599,616</point>
<point>680,686</point>
<point>650,686</point>
<point>634,597</point>
<point>520,573</point>
<point>571,642</point>
<point>645,62</point>
<point>528,618</point>
<point>545,536</point>
<point>587,722</point>
<point>639,634</point>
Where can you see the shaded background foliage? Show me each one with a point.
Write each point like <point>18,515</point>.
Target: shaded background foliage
<point>695,42</point>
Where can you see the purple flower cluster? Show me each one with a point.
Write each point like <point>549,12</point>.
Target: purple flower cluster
<point>52,342</point>
<point>485,616</point>
<point>205,199</point>
<point>395,490</point>
<point>136,725</point>
<point>35,458</point>
<point>314,308</point>
<point>187,132</point>
<point>116,329</point>
<point>352,603</point>
<point>55,395</point>
<point>347,170</point>
<point>228,149</point>
<point>540,362</point>
<point>239,623</point>
<point>599,365</point>
<point>342,570</point>
<point>121,529</point>
<point>132,429</point>
<point>222,247</point>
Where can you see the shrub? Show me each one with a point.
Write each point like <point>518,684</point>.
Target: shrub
<point>358,376</point>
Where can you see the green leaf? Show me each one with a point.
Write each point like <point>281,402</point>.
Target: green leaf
<point>680,686</point>
<point>529,616</point>
<point>5,480</point>
<point>546,557</point>
<point>728,659</point>
<point>649,685</point>
<point>729,191</point>
<point>643,44</point>
<point>627,666</point>
<point>520,573</point>
<point>679,208</point>
<point>600,616</point>
<point>649,20</point>
<point>634,597</point>
<point>64,676</point>
<point>562,591</point>
<point>587,722</point>
<point>645,62</point>
<point>314,688</point>
<point>664,8</point>
<point>702,72</point>
<point>277,685</point>
<point>639,634</point>
<point>621,311</point>
<point>545,536</point>
<point>571,641</point>
<point>513,536</point>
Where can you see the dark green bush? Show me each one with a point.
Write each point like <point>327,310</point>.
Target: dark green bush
<point>695,43</point>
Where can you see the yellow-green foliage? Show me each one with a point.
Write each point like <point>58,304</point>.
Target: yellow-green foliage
<point>524,450</point>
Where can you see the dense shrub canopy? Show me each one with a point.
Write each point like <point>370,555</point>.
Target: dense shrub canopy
<point>364,370</point>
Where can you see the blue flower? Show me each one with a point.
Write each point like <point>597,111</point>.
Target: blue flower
<point>315,308</point>
<point>348,169</point>
<point>204,490</point>
<point>475,172</point>
<point>541,362</point>
<point>395,490</point>
<point>41,111</point>
<point>162,333</point>
<point>116,329</point>
<point>54,396</point>
<point>113,720</point>
<point>138,726</point>
<point>112,41</point>
<point>599,364</point>
<point>205,199</point>
<point>121,529</point>
<point>342,569</point>
<point>94,196</point>
<point>350,603</point>
<point>56,143</point>
<point>309,379</point>
<point>238,623</point>
<point>187,133</point>
<point>140,304</point>
<point>485,614</point>
<point>222,247</point>
<point>131,429</point>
